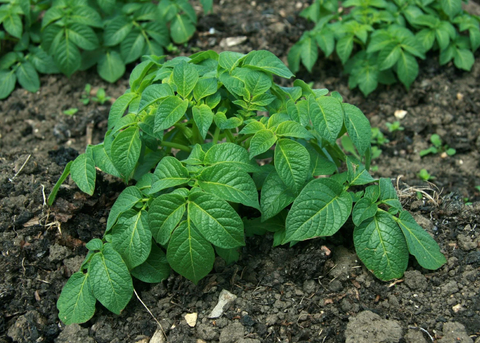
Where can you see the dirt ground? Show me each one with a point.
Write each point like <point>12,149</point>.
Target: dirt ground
<point>317,291</point>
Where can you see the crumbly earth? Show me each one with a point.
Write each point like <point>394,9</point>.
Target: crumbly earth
<point>317,291</point>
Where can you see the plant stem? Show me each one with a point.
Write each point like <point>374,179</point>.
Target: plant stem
<point>176,146</point>
<point>230,136</point>
<point>215,135</point>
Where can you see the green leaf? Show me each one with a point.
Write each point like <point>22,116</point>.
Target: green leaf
<point>181,28</point>
<point>252,128</point>
<point>261,142</point>
<point>309,53</point>
<point>27,77</point>
<point>8,80</point>
<point>83,173</point>
<point>116,31</point>
<point>357,174</point>
<point>257,82</point>
<point>229,183</point>
<point>275,196</point>
<point>228,255</point>
<point>106,5</point>
<point>189,253</point>
<point>111,67</point>
<point>103,161</point>
<point>420,243</point>
<point>358,127</point>
<point>266,61</point>
<point>364,209</point>
<point>292,129</point>
<point>451,7</point>
<point>463,59</point>
<point>319,164</point>
<point>132,46</point>
<point>407,69</point>
<point>327,117</point>
<point>76,303</point>
<point>388,194</point>
<point>164,214</point>
<point>380,245</point>
<point>216,220</point>
<point>426,37</point>
<point>170,173</point>
<point>389,55</point>
<point>203,117</point>
<point>155,269</point>
<point>82,36</point>
<point>110,279</point>
<point>119,107</point>
<point>94,244</point>
<point>185,76</point>
<point>61,180</point>
<point>154,93</point>
<point>67,56</point>
<point>13,25</point>
<point>205,87</point>
<point>232,155</point>
<point>129,197</point>
<point>126,151</point>
<point>326,41</point>
<point>131,238</point>
<point>229,59</point>
<point>344,47</point>
<point>321,209</point>
<point>170,110</point>
<point>292,163</point>
<point>293,57</point>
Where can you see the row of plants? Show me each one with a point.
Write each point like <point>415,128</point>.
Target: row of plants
<point>379,41</point>
<point>52,36</point>
<point>212,150</point>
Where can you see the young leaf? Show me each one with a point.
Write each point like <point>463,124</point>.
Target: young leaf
<point>327,117</point>
<point>125,201</point>
<point>358,127</point>
<point>164,214</point>
<point>155,269</point>
<point>216,220</point>
<point>261,142</point>
<point>463,59</point>
<point>170,173</point>
<point>420,243</point>
<point>110,279</point>
<point>67,56</point>
<point>229,183</point>
<point>232,155</point>
<point>292,129</point>
<point>7,83</point>
<point>181,28</point>
<point>229,59</point>
<point>309,53</point>
<point>83,172</point>
<point>82,36</point>
<point>451,7</point>
<point>257,82</point>
<point>111,67</point>
<point>185,76</point>
<point>266,61</point>
<point>292,163</point>
<point>13,25</point>
<point>364,209</point>
<point>76,303</point>
<point>389,56</point>
<point>344,47</point>
<point>407,69</point>
<point>388,194</point>
<point>170,110</point>
<point>203,117</point>
<point>320,210</point>
<point>126,151</point>
<point>27,77</point>
<point>131,237</point>
<point>380,245</point>
<point>189,253</point>
<point>116,31</point>
<point>275,196</point>
<point>205,87</point>
<point>153,93</point>
<point>132,46</point>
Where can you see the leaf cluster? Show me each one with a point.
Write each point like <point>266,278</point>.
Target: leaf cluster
<point>64,36</point>
<point>217,151</point>
<point>379,41</point>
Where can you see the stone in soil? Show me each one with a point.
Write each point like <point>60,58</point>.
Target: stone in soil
<point>454,332</point>
<point>368,327</point>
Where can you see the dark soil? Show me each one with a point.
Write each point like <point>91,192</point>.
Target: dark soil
<point>317,291</point>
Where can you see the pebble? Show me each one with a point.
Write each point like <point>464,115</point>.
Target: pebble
<point>225,298</point>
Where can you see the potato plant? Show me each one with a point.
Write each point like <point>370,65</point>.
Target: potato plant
<point>211,150</point>
<point>379,41</point>
<point>68,35</point>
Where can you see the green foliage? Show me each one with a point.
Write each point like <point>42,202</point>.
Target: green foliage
<point>378,39</point>
<point>189,134</point>
<point>438,147</point>
<point>425,175</point>
<point>55,36</point>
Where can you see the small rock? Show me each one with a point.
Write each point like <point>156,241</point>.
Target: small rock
<point>224,300</point>
<point>309,286</point>
<point>368,327</point>
<point>454,332</point>
<point>335,286</point>
<point>191,319</point>
<point>465,242</point>
<point>158,337</point>
<point>58,253</point>
<point>457,308</point>
<point>74,333</point>
<point>414,336</point>
<point>232,41</point>
<point>232,333</point>
<point>415,280</point>
<point>400,114</point>
<point>278,27</point>
<point>207,332</point>
<point>450,287</point>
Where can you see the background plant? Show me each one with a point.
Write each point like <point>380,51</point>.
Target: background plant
<point>379,41</point>
<point>187,137</point>
<point>437,147</point>
<point>69,35</point>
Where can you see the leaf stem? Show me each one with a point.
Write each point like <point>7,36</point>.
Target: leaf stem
<point>216,134</point>
<point>176,146</point>
<point>230,136</point>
